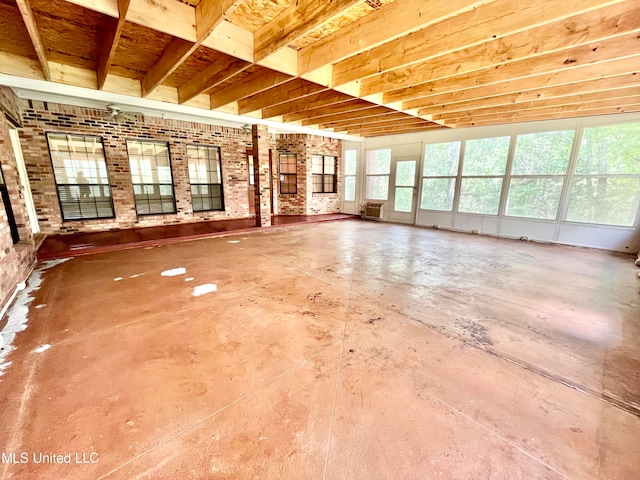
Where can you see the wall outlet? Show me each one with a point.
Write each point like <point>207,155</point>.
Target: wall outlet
<point>475,231</point>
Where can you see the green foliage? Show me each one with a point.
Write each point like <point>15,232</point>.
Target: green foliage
<point>486,156</point>
<point>441,159</point>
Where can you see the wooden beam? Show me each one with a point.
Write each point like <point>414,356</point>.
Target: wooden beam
<point>600,71</point>
<point>494,20</point>
<point>389,22</point>
<point>296,88</point>
<point>110,42</point>
<point>542,93</point>
<point>210,13</point>
<point>573,60</point>
<point>580,99</point>
<point>372,111</point>
<point>301,104</point>
<point>32,27</point>
<point>378,119</point>
<point>173,56</point>
<point>408,128</point>
<point>216,73</point>
<point>550,116</point>
<point>294,22</point>
<point>258,82</point>
<point>577,30</point>
<point>351,106</point>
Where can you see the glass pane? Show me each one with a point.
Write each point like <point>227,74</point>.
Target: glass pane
<point>545,153</point>
<point>480,195</point>
<point>350,162</point>
<point>316,164</point>
<point>404,199</point>
<point>378,187</point>
<point>329,184</point>
<point>329,165</point>
<point>287,163</point>
<point>534,197</point>
<point>610,201</point>
<point>350,188</point>
<point>379,162</point>
<point>612,149</point>
<point>437,194</point>
<point>317,183</point>
<point>406,173</point>
<point>486,156</point>
<point>441,159</point>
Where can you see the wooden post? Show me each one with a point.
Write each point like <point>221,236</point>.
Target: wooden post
<point>260,138</point>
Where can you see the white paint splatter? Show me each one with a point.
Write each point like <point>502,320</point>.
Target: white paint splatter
<point>189,279</point>
<point>18,312</point>
<point>136,275</point>
<point>174,272</point>
<point>204,289</point>
<point>233,241</point>
<point>42,348</point>
<point>117,279</point>
<point>42,305</point>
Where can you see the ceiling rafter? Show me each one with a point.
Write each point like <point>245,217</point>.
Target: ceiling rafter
<point>541,93</point>
<point>560,35</point>
<point>569,100</point>
<point>294,89</point>
<point>321,99</point>
<point>216,73</point>
<point>298,19</point>
<point>566,113</point>
<point>494,20</point>
<point>111,39</point>
<point>208,15</point>
<point>34,33</point>
<point>259,82</point>
<point>389,22</point>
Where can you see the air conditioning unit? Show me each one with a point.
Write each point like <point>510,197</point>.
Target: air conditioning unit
<point>372,211</point>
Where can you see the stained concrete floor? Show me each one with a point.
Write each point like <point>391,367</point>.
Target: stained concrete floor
<point>346,350</point>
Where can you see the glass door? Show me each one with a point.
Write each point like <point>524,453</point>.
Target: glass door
<point>405,191</point>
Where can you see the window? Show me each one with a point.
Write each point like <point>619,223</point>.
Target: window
<point>323,168</point>
<point>288,173</point>
<point>350,166</point>
<point>378,170</point>
<point>439,176</point>
<point>205,177</point>
<point>539,167</point>
<point>151,177</point>
<point>485,162</point>
<point>80,173</point>
<point>606,185</point>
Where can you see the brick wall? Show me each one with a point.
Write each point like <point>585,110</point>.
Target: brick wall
<point>16,260</point>
<point>323,202</point>
<point>40,118</point>
<point>305,202</point>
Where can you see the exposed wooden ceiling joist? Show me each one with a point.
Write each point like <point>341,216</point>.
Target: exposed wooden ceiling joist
<point>34,33</point>
<point>262,81</point>
<point>110,43</point>
<point>301,17</point>
<point>336,65</point>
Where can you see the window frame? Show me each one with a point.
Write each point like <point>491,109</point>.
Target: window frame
<point>451,178</point>
<point>347,175</point>
<point>334,183</point>
<point>377,175</point>
<point>288,175</point>
<point>553,176</point>
<point>492,176</point>
<point>154,174</point>
<point>68,185</point>
<point>211,186</point>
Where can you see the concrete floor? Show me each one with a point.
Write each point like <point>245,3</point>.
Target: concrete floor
<point>343,350</point>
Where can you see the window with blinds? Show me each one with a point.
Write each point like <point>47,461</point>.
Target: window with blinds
<point>151,177</point>
<point>205,176</point>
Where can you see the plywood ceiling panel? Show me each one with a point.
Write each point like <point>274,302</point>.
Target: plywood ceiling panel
<point>12,27</point>
<point>138,50</point>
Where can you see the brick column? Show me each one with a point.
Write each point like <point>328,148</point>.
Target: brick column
<point>260,137</point>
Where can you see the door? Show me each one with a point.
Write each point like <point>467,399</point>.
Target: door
<point>405,191</point>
